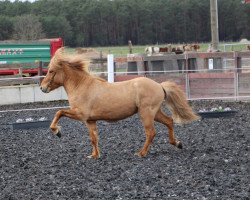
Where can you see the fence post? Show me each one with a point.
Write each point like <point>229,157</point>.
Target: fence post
<point>40,71</point>
<point>187,78</point>
<point>236,75</point>
<point>20,71</point>
<point>102,65</point>
<point>110,68</point>
<point>237,61</point>
<point>130,46</point>
<point>236,85</point>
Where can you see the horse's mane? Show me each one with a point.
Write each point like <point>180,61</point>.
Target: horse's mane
<point>75,61</point>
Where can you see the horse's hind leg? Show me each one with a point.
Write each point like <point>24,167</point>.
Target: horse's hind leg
<point>94,138</point>
<point>148,123</point>
<point>168,121</point>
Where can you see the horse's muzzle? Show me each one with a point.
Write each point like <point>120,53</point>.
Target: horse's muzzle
<point>44,89</point>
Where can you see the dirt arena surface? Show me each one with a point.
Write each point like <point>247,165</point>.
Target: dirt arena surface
<point>213,164</point>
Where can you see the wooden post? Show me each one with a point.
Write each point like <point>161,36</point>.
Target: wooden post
<point>214,24</point>
<point>237,62</point>
<point>40,71</point>
<point>187,78</point>
<point>169,48</point>
<point>205,60</point>
<point>130,46</point>
<point>20,71</point>
<point>102,65</point>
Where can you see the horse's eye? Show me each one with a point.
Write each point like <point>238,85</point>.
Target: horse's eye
<point>51,71</point>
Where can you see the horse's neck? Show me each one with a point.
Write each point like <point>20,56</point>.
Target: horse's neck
<point>73,81</point>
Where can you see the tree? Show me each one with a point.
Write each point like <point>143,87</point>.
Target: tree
<point>6,28</point>
<point>27,27</point>
<point>57,26</point>
<point>114,22</point>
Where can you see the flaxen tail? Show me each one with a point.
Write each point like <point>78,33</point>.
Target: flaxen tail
<point>177,104</point>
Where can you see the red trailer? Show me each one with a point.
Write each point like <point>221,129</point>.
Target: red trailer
<point>29,54</point>
<point>55,43</point>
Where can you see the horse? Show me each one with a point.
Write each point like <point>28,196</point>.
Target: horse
<point>92,98</point>
<point>163,49</point>
<point>152,50</point>
<point>191,47</point>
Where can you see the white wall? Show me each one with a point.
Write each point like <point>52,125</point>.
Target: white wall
<point>29,94</point>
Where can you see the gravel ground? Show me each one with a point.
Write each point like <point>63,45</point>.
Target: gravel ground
<point>214,163</point>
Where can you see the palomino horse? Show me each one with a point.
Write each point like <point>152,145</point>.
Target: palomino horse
<point>92,98</point>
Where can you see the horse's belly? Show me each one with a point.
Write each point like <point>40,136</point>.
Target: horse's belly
<point>113,112</point>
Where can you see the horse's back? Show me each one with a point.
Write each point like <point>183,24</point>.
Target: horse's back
<point>144,90</point>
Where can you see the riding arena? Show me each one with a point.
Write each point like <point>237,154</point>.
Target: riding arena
<point>122,140</point>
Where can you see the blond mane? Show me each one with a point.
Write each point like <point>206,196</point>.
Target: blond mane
<point>75,61</point>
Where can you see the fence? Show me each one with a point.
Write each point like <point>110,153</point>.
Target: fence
<point>230,47</point>
<point>199,75</point>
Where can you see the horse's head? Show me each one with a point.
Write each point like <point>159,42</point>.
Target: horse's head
<point>54,76</point>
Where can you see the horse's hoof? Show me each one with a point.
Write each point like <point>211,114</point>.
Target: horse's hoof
<point>93,156</point>
<point>140,154</point>
<point>59,134</point>
<point>179,145</point>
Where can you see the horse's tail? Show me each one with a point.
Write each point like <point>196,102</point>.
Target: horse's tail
<point>177,104</point>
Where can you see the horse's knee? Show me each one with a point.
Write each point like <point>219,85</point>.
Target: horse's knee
<point>59,113</point>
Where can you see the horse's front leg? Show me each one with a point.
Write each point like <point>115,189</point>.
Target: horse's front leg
<point>62,113</point>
